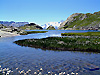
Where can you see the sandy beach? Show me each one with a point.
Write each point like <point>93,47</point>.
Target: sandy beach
<point>7,34</point>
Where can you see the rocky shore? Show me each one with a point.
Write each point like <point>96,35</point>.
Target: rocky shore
<point>7,34</point>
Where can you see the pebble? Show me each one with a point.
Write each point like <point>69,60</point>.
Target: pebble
<point>29,70</point>
<point>72,73</point>
<point>37,70</point>
<point>7,71</point>
<point>64,73</point>
<point>3,72</point>
<point>0,70</point>
<point>76,73</point>
<point>40,73</point>
<point>24,73</point>
<point>35,73</point>
<point>41,69</point>
<point>48,72</point>
<point>16,68</point>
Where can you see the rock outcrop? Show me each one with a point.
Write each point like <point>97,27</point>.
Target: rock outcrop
<point>69,19</point>
<point>82,21</point>
<point>31,26</point>
<point>51,28</point>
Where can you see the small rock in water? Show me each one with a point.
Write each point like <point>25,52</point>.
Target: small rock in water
<point>7,69</point>
<point>41,69</point>
<point>3,72</point>
<point>24,73</point>
<point>16,68</point>
<point>72,73</point>
<point>21,72</point>
<point>29,70</point>
<point>37,70</point>
<point>48,72</point>
<point>7,73</point>
<point>35,73</point>
<point>40,73</point>
<point>76,73</point>
<point>64,73</point>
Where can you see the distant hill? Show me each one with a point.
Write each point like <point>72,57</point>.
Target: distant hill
<point>31,26</point>
<point>2,26</point>
<point>51,28</point>
<point>55,24</point>
<point>12,23</point>
<point>82,21</point>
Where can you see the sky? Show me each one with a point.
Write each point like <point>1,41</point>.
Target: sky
<point>44,11</point>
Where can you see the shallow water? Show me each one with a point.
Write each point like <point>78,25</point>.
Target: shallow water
<point>25,58</point>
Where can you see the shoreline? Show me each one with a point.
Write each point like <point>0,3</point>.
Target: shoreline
<point>7,34</point>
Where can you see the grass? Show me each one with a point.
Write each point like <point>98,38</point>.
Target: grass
<point>82,34</point>
<point>63,44</point>
<point>89,21</point>
<point>29,27</point>
<point>31,32</point>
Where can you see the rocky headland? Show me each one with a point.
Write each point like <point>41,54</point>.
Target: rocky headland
<point>31,26</point>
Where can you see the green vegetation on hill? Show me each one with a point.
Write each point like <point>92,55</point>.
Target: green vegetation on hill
<point>82,34</point>
<point>31,32</point>
<point>31,26</point>
<point>83,21</point>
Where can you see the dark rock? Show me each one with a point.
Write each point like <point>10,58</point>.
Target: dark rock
<point>51,28</point>
<point>31,26</point>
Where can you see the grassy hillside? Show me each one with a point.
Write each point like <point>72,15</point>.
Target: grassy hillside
<point>84,21</point>
<point>31,26</point>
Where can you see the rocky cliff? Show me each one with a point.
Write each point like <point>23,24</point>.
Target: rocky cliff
<point>82,21</point>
